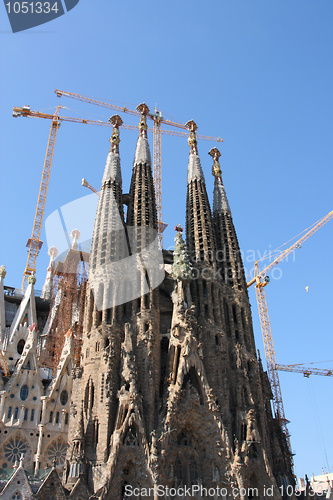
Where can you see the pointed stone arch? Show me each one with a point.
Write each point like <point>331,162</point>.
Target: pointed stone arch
<point>131,437</point>
<point>89,396</point>
<point>191,381</point>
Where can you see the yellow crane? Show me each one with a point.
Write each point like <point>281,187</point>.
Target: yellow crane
<point>306,370</point>
<point>261,280</point>
<point>34,243</point>
<point>157,149</point>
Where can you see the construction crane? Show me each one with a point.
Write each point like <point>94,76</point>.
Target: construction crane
<point>157,150</point>
<point>306,370</point>
<point>34,243</point>
<point>261,280</point>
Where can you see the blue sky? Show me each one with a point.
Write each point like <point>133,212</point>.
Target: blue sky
<point>257,73</point>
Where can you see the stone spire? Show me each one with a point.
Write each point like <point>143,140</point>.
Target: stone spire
<point>112,168</point>
<point>194,170</point>
<point>142,151</point>
<point>220,200</point>
<point>199,228</point>
<point>228,251</point>
<point>48,285</point>
<point>109,222</point>
<point>142,233</point>
<point>142,205</point>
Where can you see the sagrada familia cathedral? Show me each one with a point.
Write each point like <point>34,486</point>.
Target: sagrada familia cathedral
<point>113,387</point>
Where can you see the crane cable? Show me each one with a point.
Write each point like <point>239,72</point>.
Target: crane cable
<point>318,424</point>
<point>272,253</point>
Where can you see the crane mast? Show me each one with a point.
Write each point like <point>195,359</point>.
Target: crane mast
<point>272,373</point>
<point>34,244</point>
<point>260,283</point>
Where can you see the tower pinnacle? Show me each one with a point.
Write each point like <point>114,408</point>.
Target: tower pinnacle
<point>194,170</point>
<point>215,154</point>
<point>142,151</point>
<point>144,110</point>
<point>220,200</point>
<point>112,170</point>
<point>114,139</point>
<point>192,140</point>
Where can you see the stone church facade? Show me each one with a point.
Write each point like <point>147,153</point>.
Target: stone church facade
<point>165,390</point>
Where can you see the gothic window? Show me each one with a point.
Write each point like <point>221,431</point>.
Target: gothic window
<point>64,397</point>
<point>253,453</point>
<point>16,413</point>
<point>244,396</point>
<point>57,418</point>
<point>57,451</point>
<point>96,429</point>
<point>9,414</point>
<point>86,397</point>
<point>51,417</point>
<point>14,449</point>
<point>178,471</point>
<point>16,496</point>
<point>186,470</point>
<point>91,395</point>
<point>193,472</point>
<point>66,418</point>
<point>184,440</point>
<point>243,318</point>
<point>24,392</point>
<point>191,381</point>
<point>20,346</point>
<point>243,431</point>
<point>32,417</point>
<point>26,414</point>
<point>226,317</point>
<point>234,313</point>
